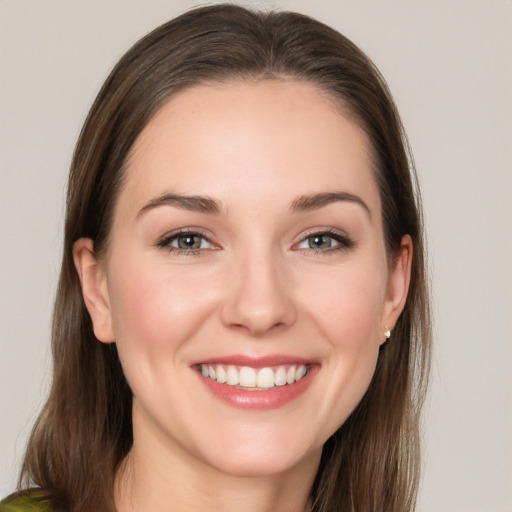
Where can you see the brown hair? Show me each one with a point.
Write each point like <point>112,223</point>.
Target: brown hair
<point>84,431</point>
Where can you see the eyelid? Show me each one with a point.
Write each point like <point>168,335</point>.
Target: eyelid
<point>164,241</point>
<point>345,242</point>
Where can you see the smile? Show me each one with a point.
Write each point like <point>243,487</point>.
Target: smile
<point>254,379</point>
<point>257,384</point>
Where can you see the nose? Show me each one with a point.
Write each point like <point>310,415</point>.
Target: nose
<point>259,297</point>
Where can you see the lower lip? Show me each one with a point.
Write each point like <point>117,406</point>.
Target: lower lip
<point>272,398</point>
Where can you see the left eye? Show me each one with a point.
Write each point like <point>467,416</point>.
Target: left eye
<point>323,241</point>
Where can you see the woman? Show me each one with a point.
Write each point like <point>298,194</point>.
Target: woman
<point>242,317</point>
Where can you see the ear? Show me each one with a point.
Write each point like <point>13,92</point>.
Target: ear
<point>397,286</point>
<point>93,280</point>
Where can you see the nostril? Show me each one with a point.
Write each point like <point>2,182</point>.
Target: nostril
<point>258,330</point>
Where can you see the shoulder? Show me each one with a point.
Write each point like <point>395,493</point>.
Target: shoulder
<point>25,502</point>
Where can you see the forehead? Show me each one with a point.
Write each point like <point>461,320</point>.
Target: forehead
<point>250,140</point>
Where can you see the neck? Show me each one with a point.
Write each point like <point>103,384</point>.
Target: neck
<point>154,477</point>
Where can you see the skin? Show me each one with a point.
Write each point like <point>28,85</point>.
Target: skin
<point>256,286</point>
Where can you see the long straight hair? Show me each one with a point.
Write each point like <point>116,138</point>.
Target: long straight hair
<point>84,430</point>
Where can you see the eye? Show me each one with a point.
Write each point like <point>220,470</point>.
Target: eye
<point>190,241</point>
<point>186,242</point>
<point>325,241</point>
<point>318,241</point>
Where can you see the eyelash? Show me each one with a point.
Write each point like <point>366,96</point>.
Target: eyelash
<point>165,242</point>
<point>344,242</point>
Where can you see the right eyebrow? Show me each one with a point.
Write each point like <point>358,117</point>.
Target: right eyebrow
<point>200,204</point>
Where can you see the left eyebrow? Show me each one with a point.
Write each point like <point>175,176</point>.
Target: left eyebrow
<point>315,201</point>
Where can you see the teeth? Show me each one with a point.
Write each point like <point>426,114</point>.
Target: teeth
<point>290,375</point>
<point>232,376</point>
<point>221,375</point>
<point>280,376</point>
<point>265,378</point>
<point>247,377</point>
<point>301,372</point>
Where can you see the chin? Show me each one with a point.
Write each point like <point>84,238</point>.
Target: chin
<point>265,466</point>
<point>262,455</point>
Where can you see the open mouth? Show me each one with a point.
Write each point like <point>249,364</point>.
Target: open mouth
<point>257,384</point>
<point>254,379</point>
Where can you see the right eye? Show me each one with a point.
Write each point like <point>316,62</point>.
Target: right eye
<point>186,242</point>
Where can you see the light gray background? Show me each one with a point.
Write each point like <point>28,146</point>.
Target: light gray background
<point>448,63</point>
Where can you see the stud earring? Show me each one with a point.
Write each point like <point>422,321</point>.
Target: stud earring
<point>387,333</point>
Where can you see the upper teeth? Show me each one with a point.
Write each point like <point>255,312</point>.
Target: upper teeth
<point>247,377</point>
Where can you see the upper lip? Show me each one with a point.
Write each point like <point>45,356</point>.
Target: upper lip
<point>256,361</point>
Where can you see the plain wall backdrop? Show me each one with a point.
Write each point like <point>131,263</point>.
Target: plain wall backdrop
<point>449,66</point>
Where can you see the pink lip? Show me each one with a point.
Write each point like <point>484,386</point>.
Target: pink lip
<point>264,399</point>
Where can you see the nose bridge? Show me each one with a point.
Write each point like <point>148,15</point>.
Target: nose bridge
<point>259,296</point>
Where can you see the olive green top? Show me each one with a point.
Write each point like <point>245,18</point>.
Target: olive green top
<point>31,503</point>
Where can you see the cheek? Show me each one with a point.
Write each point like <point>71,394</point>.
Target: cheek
<point>155,310</point>
<point>348,313</point>
<point>348,307</point>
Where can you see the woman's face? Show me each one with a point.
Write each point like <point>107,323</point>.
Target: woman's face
<point>247,246</point>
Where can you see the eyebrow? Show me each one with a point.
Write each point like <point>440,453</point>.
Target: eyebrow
<point>315,201</point>
<point>203,204</point>
<point>192,203</point>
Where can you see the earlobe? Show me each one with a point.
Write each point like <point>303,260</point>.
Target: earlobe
<point>398,286</point>
<point>94,288</point>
